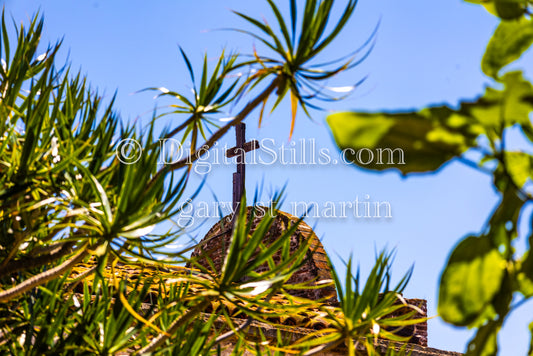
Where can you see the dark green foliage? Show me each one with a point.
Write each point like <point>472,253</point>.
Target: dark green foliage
<point>77,224</point>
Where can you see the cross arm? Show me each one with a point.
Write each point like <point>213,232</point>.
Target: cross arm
<point>247,147</point>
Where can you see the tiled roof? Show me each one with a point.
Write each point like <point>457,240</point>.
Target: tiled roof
<point>294,324</point>
<point>286,314</point>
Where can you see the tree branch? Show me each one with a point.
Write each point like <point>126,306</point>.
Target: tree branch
<point>43,277</point>
<point>33,262</point>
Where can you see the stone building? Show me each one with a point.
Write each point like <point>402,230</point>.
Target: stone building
<point>315,268</point>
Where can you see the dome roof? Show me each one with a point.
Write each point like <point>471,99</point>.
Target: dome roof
<point>315,267</point>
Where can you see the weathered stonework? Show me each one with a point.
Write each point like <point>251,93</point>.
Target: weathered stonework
<point>417,332</point>
<point>315,268</point>
<point>214,247</point>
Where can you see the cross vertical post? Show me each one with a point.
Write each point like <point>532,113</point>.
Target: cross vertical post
<point>240,150</point>
<point>239,176</point>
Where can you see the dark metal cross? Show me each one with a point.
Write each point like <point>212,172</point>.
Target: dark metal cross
<point>240,151</point>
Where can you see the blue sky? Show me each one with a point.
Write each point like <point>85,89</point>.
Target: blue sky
<point>426,52</point>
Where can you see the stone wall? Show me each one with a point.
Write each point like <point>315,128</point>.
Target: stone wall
<point>214,245</point>
<point>315,268</point>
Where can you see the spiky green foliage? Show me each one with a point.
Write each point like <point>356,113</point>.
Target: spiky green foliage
<point>294,64</point>
<point>80,240</point>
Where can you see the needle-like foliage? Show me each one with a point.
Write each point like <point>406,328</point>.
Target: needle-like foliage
<point>84,204</point>
<point>295,52</point>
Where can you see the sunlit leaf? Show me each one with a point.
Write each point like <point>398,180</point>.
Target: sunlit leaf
<point>471,279</point>
<point>531,342</point>
<point>408,141</point>
<point>485,342</point>
<point>509,41</point>
<point>294,108</point>
<point>520,167</point>
<point>510,9</point>
<point>525,275</point>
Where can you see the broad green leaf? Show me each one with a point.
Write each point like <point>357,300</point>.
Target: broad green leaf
<point>505,107</point>
<point>502,225</point>
<point>502,300</point>
<point>517,98</point>
<point>470,280</point>
<point>488,5</point>
<point>504,9</point>
<point>509,41</point>
<point>485,343</point>
<point>408,141</point>
<point>422,141</point>
<point>520,167</point>
<point>525,275</point>
<point>510,9</point>
<point>491,8</point>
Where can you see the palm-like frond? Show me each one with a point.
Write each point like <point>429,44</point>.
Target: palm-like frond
<point>67,197</point>
<point>62,185</point>
<point>296,53</point>
<point>209,97</point>
<point>366,313</point>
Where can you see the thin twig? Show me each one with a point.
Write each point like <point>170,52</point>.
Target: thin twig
<point>81,277</point>
<point>180,127</point>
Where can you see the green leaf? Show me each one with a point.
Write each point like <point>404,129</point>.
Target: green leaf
<point>485,343</point>
<point>410,141</point>
<point>517,98</point>
<point>525,279</point>
<point>510,9</point>
<point>525,275</point>
<point>520,167</point>
<point>504,107</point>
<point>100,192</point>
<point>422,141</point>
<point>488,5</point>
<point>471,279</point>
<point>502,300</point>
<point>505,9</point>
<point>509,41</point>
